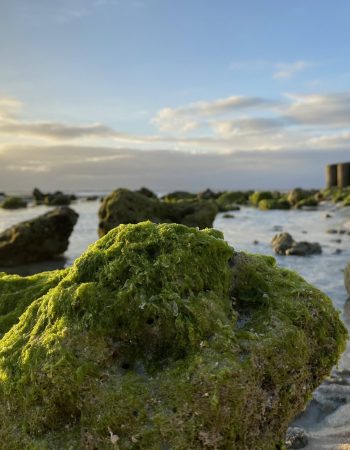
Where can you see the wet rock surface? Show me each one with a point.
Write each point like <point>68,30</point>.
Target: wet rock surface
<point>161,336</point>
<point>38,239</point>
<point>284,244</point>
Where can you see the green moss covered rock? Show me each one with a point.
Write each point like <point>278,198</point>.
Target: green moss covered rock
<point>257,196</point>
<point>273,203</point>
<point>123,206</point>
<point>228,201</point>
<point>162,337</point>
<point>13,203</point>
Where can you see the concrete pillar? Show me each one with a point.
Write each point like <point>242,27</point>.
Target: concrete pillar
<point>343,174</point>
<point>331,175</point>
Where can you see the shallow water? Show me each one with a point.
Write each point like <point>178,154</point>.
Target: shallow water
<point>328,416</point>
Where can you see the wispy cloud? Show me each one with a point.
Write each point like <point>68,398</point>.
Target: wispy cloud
<point>279,70</point>
<point>288,70</point>
<point>234,123</point>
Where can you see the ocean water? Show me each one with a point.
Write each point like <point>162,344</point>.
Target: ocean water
<point>328,416</point>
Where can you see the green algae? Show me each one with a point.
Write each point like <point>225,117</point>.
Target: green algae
<point>17,293</point>
<point>162,337</point>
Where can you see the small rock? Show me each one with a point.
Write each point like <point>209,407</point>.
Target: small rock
<point>338,251</point>
<point>284,244</point>
<point>255,242</point>
<point>332,231</point>
<point>296,438</point>
<point>328,216</point>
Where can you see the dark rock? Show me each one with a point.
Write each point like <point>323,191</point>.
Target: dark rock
<point>178,195</point>
<point>228,216</point>
<point>124,206</point>
<point>52,199</point>
<point>13,203</point>
<point>284,244</point>
<point>147,193</point>
<point>37,239</point>
<point>208,194</point>
<point>296,438</point>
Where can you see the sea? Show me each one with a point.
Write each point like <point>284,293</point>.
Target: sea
<point>326,420</point>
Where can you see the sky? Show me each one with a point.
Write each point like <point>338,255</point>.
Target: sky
<point>185,94</point>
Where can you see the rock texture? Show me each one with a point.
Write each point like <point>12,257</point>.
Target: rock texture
<point>284,244</point>
<point>13,203</point>
<point>37,239</point>
<point>162,337</point>
<point>57,198</point>
<point>123,206</point>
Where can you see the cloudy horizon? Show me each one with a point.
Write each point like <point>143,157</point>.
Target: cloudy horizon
<point>83,114</point>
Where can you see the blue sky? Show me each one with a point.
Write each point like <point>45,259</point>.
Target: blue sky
<point>260,78</point>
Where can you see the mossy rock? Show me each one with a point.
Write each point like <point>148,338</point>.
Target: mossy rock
<point>179,195</point>
<point>346,201</point>
<point>162,337</point>
<point>257,196</point>
<point>228,201</point>
<point>147,192</point>
<point>307,202</point>
<point>273,203</point>
<point>297,195</point>
<point>123,206</point>
<point>13,203</point>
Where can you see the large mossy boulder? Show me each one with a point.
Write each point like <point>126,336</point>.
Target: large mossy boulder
<point>123,206</point>
<point>163,337</point>
<point>38,239</point>
<point>13,203</point>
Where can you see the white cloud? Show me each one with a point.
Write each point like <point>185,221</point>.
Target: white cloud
<point>287,70</point>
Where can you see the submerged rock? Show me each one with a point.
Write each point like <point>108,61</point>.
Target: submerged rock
<point>124,206</point>
<point>13,203</point>
<point>284,244</point>
<point>162,337</point>
<point>37,239</point>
